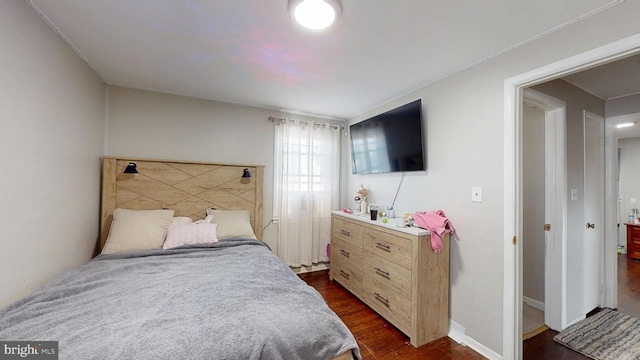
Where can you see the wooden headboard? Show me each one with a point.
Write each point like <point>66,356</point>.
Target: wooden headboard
<point>187,187</point>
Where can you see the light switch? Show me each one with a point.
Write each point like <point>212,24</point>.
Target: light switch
<point>476,194</point>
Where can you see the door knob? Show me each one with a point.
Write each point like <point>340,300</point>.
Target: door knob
<point>591,226</point>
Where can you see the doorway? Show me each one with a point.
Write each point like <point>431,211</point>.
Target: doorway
<point>533,241</point>
<point>593,210</point>
<point>544,222</point>
<point>573,249</point>
<point>512,344</point>
<point>627,148</point>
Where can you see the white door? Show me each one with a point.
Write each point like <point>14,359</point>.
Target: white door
<point>556,217</point>
<point>593,209</point>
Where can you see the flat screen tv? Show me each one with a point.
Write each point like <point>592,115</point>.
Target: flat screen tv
<point>389,142</point>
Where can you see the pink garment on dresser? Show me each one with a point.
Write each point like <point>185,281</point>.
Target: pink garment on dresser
<point>437,223</point>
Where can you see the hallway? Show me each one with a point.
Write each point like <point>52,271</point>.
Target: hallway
<point>543,346</point>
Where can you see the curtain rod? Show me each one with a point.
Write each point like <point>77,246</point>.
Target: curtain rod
<point>273,120</point>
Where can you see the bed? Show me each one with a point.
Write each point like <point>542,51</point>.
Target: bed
<point>226,299</point>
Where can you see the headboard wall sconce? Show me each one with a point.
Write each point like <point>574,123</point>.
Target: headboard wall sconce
<point>246,176</point>
<point>131,168</point>
<point>187,187</point>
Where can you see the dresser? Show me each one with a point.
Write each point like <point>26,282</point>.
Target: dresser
<point>395,272</point>
<point>633,241</point>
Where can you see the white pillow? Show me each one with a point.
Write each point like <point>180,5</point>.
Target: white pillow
<point>232,223</point>
<point>199,232</point>
<point>180,220</point>
<point>133,230</point>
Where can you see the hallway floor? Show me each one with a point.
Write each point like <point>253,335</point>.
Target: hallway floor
<point>628,286</point>
<point>532,320</point>
<point>543,346</point>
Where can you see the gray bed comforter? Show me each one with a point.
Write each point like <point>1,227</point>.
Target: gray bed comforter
<point>230,300</point>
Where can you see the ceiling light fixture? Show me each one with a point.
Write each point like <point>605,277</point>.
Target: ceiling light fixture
<point>315,14</point>
<point>624,125</point>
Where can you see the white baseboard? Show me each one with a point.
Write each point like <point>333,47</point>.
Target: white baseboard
<point>534,303</point>
<point>314,267</point>
<point>457,333</point>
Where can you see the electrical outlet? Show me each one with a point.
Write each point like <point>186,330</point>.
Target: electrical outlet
<point>476,194</point>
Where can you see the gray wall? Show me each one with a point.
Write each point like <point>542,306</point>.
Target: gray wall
<point>623,106</point>
<point>162,126</point>
<point>51,137</point>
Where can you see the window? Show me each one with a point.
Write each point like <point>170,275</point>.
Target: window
<point>307,163</point>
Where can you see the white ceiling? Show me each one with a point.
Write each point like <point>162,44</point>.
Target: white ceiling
<point>612,81</point>
<point>249,52</point>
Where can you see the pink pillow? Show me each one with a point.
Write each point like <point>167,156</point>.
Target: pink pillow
<point>199,232</point>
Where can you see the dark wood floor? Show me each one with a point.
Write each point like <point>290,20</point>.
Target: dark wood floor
<point>380,340</point>
<point>543,346</point>
<point>377,338</point>
<point>628,286</point>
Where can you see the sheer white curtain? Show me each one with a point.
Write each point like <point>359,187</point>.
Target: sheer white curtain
<point>307,163</point>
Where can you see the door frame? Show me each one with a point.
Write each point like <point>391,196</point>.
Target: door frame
<point>611,216</point>
<point>512,182</point>
<point>555,205</point>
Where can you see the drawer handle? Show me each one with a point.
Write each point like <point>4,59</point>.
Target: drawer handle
<point>344,274</point>
<point>384,247</point>
<point>383,273</point>
<point>345,232</point>
<point>344,253</point>
<point>381,299</point>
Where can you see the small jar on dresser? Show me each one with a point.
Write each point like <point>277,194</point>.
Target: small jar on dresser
<point>395,272</point>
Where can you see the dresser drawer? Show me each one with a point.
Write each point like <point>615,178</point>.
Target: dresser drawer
<point>393,248</point>
<point>388,273</point>
<point>346,252</point>
<point>633,247</point>
<point>346,231</point>
<point>388,303</point>
<point>633,241</point>
<point>634,253</point>
<point>348,276</point>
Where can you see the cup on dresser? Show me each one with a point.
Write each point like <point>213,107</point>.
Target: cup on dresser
<point>373,210</point>
<point>389,213</point>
